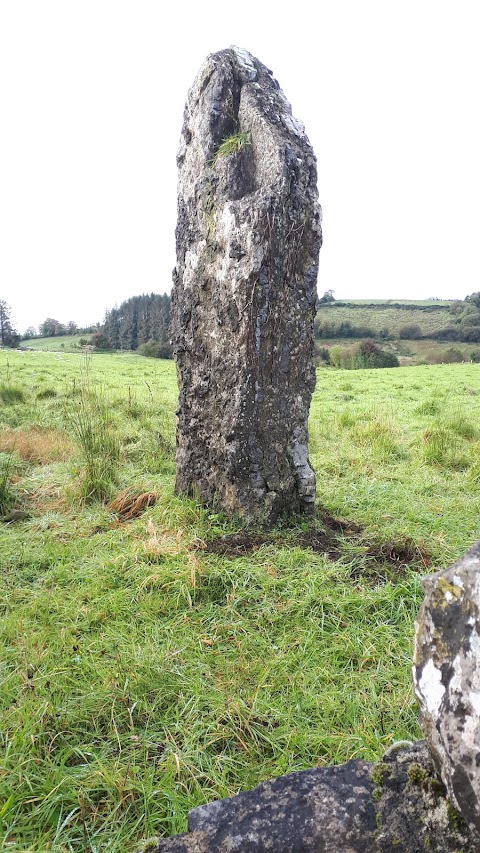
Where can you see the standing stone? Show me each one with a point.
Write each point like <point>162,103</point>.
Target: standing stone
<point>243,305</point>
<point>446,676</point>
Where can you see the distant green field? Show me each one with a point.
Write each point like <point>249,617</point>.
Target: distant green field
<point>143,673</point>
<point>429,303</point>
<point>429,318</point>
<point>57,343</point>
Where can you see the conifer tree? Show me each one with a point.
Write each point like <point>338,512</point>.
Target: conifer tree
<point>9,336</point>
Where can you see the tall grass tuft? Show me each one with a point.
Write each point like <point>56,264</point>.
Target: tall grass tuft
<point>380,435</point>
<point>6,493</point>
<point>439,446</point>
<point>431,406</point>
<point>99,445</point>
<point>462,426</point>
<point>10,394</point>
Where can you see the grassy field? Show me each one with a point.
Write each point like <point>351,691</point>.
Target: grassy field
<point>147,665</point>
<point>428,303</point>
<point>55,344</point>
<point>428,316</point>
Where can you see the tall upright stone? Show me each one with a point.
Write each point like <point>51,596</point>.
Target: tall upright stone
<point>248,238</point>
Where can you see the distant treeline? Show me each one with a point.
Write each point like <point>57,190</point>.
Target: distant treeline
<point>51,328</point>
<point>140,323</point>
<point>345,329</point>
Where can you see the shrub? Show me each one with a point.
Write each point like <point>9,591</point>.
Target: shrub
<point>364,354</point>
<point>46,394</point>
<point>371,355</point>
<point>324,328</point>
<point>467,333</point>
<point>11,394</point>
<point>100,340</point>
<point>470,334</point>
<point>453,356</point>
<point>155,349</point>
<point>448,333</point>
<point>323,353</point>
<point>410,332</point>
<point>474,298</point>
<point>337,356</point>
<point>327,297</point>
<point>475,356</point>
<point>472,318</point>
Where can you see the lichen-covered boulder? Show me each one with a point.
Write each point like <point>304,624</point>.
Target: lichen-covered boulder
<point>395,806</point>
<point>244,298</point>
<point>446,676</point>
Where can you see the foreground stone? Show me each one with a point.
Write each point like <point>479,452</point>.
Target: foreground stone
<point>396,806</point>
<point>446,677</point>
<point>243,304</point>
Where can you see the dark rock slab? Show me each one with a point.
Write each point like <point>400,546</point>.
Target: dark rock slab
<point>244,298</point>
<point>396,806</point>
<point>298,812</point>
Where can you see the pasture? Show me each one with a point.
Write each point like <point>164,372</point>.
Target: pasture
<point>151,663</point>
<point>69,343</point>
<point>429,317</point>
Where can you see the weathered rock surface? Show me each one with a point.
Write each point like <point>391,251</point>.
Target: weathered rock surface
<point>396,806</point>
<point>243,304</point>
<point>446,677</point>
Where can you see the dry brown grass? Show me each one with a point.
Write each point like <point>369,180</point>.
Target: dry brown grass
<point>40,447</point>
<point>47,498</point>
<point>130,504</point>
<point>162,544</point>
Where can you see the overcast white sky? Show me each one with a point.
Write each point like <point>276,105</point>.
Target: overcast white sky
<point>91,101</point>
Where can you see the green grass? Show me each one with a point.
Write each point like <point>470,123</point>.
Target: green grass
<point>232,145</point>
<point>56,343</point>
<point>382,316</point>
<point>7,497</point>
<point>94,430</point>
<point>11,394</point>
<point>142,675</point>
<point>427,303</point>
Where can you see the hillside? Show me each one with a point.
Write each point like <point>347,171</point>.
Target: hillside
<point>386,319</point>
<point>69,343</point>
<point>423,332</point>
